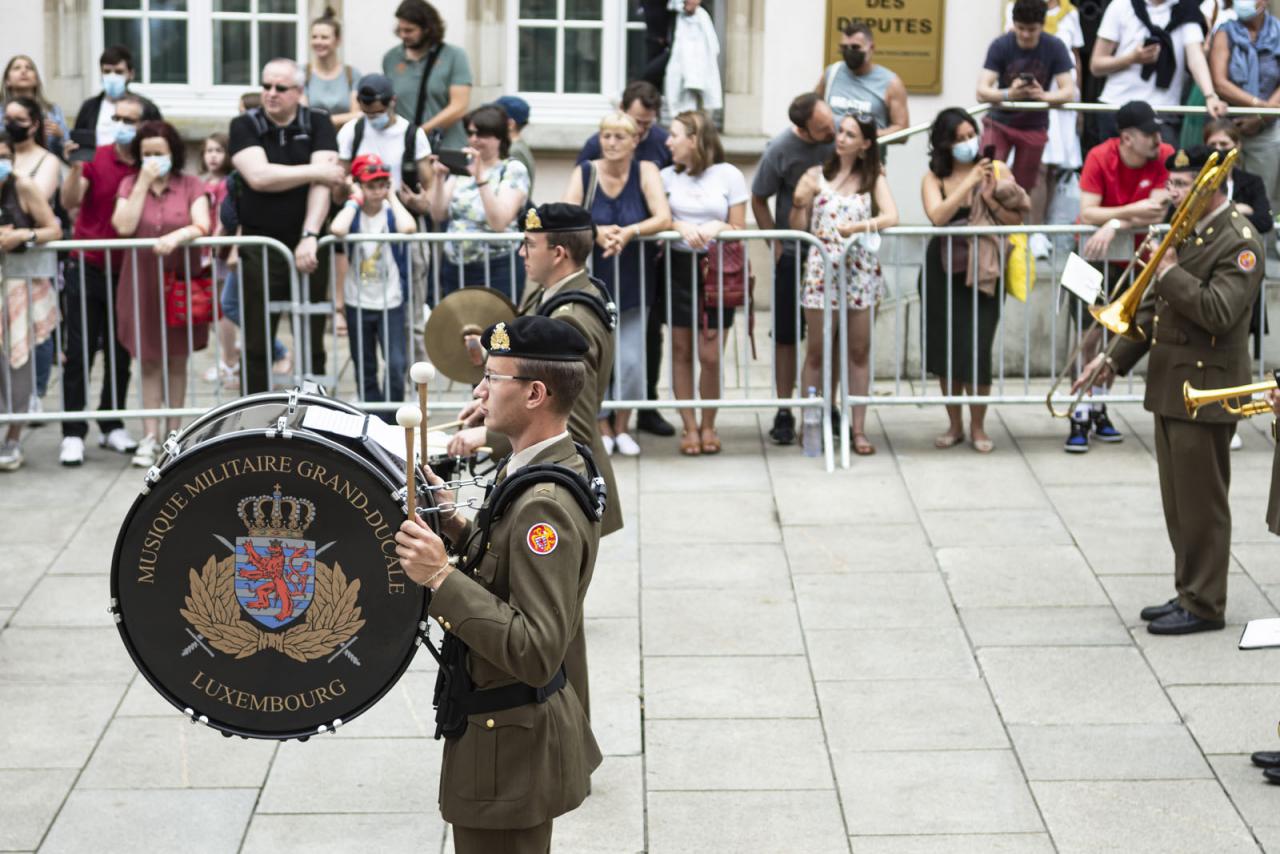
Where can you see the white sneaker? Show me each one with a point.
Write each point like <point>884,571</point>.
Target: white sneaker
<point>119,441</point>
<point>1236,442</point>
<point>35,405</point>
<point>626,445</point>
<point>10,456</point>
<point>211,374</point>
<point>608,444</point>
<point>145,456</point>
<point>71,452</point>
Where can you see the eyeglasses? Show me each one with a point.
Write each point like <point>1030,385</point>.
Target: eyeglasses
<point>278,87</point>
<point>125,120</point>
<point>491,378</point>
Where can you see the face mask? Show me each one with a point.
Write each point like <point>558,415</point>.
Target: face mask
<point>17,132</point>
<point>161,160</point>
<point>113,85</point>
<point>380,121</point>
<point>967,151</point>
<point>1245,9</point>
<point>125,133</point>
<point>853,57</point>
<point>6,169</point>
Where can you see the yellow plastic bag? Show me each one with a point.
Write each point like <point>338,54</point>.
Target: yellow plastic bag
<point>1019,268</point>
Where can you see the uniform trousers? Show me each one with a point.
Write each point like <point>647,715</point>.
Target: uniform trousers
<point>526,840</point>
<point>1195,475</point>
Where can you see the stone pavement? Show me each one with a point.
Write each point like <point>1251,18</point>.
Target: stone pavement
<point>932,652</point>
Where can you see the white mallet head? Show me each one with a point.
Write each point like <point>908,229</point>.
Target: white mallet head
<point>408,416</point>
<point>422,372</point>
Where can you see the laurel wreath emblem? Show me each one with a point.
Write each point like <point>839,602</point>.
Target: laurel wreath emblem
<point>331,621</point>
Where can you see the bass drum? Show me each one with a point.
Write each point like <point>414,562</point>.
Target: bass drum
<point>255,581</point>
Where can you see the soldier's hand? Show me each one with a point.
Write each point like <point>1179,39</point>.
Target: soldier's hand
<point>1273,397</point>
<point>422,554</point>
<point>1103,377</point>
<point>465,442</point>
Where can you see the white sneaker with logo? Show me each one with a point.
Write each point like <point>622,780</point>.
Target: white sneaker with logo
<point>145,456</point>
<point>10,456</point>
<point>119,441</point>
<point>71,451</point>
<point>626,446</point>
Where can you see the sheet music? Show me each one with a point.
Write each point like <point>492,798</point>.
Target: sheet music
<point>1259,634</point>
<point>390,438</point>
<point>1082,279</point>
<point>324,420</point>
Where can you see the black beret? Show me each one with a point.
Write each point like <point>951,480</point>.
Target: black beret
<point>1188,160</point>
<point>536,337</point>
<point>558,216</point>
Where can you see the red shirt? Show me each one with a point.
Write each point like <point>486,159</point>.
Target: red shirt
<point>1105,174</point>
<point>104,174</point>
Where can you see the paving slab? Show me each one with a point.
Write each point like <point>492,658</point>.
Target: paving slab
<point>986,843</point>
<point>946,792</point>
<point>1076,685</point>
<point>125,821</point>
<point>938,483</point>
<point>889,547</point>
<point>981,527</point>
<point>614,590</point>
<point>422,830</point>
<point>1049,626</point>
<point>745,822</point>
<point>405,711</point>
<point>841,497</point>
<point>1146,815</point>
<point>30,800</point>
<point>171,753</point>
<point>1019,576</point>
<point>1229,718</point>
<point>942,714</point>
<point>694,755</point>
<point>728,473</point>
<point>66,655</point>
<point>721,622</point>
<point>335,775</point>
<point>1249,791</point>
<point>142,700</point>
<point>614,660</point>
<point>688,566</point>
<point>1108,752</point>
<point>611,821</point>
<point>1131,593</point>
<point>712,687</point>
<point>749,517</point>
<point>53,726</point>
<point>842,654</point>
<point>21,566</point>
<point>66,600</point>
<point>871,600</point>
<point>1260,560</point>
<point>1209,658</point>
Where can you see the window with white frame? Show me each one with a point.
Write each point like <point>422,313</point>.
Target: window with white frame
<point>194,53</point>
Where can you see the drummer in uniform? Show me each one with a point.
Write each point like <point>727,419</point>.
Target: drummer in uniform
<point>512,771</point>
<point>1196,323</point>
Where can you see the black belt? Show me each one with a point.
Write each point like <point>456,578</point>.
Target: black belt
<point>510,696</point>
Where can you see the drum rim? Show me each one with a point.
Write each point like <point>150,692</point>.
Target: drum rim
<point>210,720</point>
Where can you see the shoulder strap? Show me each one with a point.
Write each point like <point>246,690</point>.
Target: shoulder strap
<point>421,107</point>
<point>350,81</point>
<point>306,80</point>
<point>831,78</point>
<point>597,299</point>
<point>259,121</point>
<point>357,136</point>
<point>592,182</point>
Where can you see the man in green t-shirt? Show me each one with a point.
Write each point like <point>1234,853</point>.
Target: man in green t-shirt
<point>448,96</point>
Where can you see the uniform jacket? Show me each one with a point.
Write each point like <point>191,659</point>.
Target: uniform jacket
<point>517,614</point>
<point>1196,318</point>
<point>583,420</point>
<point>1273,502</point>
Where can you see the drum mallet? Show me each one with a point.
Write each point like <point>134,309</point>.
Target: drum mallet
<point>409,418</point>
<point>422,373</point>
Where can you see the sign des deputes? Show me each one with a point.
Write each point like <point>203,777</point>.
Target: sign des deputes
<point>907,34</point>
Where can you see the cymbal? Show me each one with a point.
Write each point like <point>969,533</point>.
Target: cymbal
<point>468,311</point>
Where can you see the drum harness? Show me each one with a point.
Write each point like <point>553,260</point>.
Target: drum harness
<point>600,303</point>
<point>455,695</point>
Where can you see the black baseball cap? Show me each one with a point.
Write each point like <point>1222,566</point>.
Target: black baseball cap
<point>1138,115</point>
<point>374,87</point>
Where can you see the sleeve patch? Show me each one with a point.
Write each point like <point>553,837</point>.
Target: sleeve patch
<point>1246,260</point>
<point>542,539</point>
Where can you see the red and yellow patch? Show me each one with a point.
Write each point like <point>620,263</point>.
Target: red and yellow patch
<point>1246,260</point>
<point>542,539</point>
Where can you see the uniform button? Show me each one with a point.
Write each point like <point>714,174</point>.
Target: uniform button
<point>489,723</point>
<point>447,625</point>
<point>440,620</point>
<point>1199,364</point>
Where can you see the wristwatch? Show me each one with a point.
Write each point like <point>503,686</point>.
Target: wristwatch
<point>310,233</point>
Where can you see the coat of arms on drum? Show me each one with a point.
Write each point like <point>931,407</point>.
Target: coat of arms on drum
<point>275,566</point>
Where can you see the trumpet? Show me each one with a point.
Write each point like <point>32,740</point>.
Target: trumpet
<point>1118,316</point>
<point>1194,398</point>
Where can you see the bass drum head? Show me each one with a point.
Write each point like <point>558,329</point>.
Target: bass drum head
<point>257,588</point>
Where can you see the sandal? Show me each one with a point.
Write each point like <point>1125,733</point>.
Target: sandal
<point>947,440</point>
<point>710,445</point>
<point>984,446</point>
<point>690,443</point>
<point>862,445</point>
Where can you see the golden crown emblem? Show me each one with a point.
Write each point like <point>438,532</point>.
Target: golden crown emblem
<point>269,519</point>
<point>499,341</point>
<point>1182,160</point>
<point>532,221</point>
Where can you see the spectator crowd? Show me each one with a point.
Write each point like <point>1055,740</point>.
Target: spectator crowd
<point>323,148</point>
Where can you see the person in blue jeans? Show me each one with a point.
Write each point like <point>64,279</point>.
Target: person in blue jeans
<point>375,291</point>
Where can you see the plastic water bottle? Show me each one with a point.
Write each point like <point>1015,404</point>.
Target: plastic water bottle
<point>812,427</point>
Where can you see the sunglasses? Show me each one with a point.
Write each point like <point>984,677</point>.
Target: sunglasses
<point>278,87</point>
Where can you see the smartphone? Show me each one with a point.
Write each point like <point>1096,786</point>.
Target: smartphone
<point>989,153</point>
<point>87,140</point>
<point>1026,79</point>
<point>456,160</point>
<point>1149,41</point>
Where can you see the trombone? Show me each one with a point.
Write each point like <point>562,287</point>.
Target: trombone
<point>1118,316</point>
<point>1194,398</point>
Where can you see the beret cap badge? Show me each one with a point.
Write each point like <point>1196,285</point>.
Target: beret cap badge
<point>499,341</point>
<point>532,221</point>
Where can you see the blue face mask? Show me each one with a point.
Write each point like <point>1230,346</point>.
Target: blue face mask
<point>1245,9</point>
<point>161,160</point>
<point>113,86</point>
<point>6,169</point>
<point>380,121</point>
<point>125,133</point>
<point>967,151</point>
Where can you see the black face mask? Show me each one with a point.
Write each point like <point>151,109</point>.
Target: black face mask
<point>17,132</point>
<point>853,57</point>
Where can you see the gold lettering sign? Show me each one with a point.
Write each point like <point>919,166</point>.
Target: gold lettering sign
<point>907,35</point>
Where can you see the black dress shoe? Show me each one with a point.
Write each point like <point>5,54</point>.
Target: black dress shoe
<point>650,421</point>
<point>784,428</point>
<point>1266,759</point>
<point>1155,612</point>
<point>1272,775</point>
<point>1183,622</point>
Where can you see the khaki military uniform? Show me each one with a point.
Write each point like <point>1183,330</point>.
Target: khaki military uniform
<point>1196,319</point>
<point>513,771</point>
<point>1273,503</point>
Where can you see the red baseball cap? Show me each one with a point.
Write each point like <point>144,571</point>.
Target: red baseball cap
<point>369,167</point>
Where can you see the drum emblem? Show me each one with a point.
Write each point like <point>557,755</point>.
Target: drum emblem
<point>275,566</point>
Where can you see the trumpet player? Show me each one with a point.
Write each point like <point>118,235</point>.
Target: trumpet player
<point>1195,320</point>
